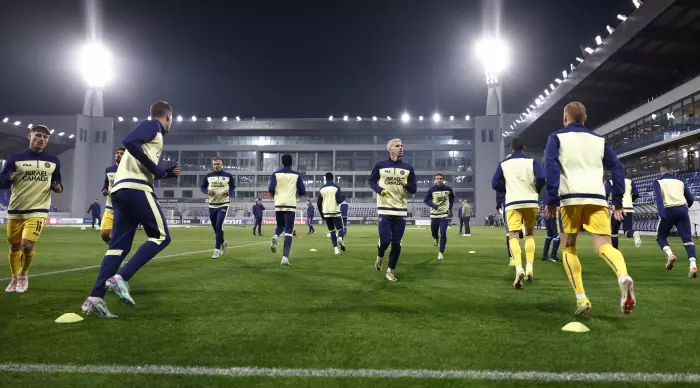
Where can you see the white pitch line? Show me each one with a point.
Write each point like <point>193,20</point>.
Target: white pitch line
<point>357,373</point>
<point>157,257</point>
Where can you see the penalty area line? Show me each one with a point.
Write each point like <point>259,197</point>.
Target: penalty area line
<point>355,373</point>
<point>155,258</point>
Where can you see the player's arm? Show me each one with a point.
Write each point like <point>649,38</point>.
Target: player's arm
<point>205,185</point>
<point>374,180</point>
<point>319,203</point>
<point>134,141</point>
<point>608,189</point>
<point>552,170</point>
<point>612,163</point>
<point>539,175</point>
<point>451,200</point>
<point>428,200</point>
<point>273,184</point>
<point>56,185</point>
<point>659,199</point>
<point>339,196</point>
<point>635,191</point>
<point>688,195</point>
<point>411,183</point>
<point>231,185</point>
<point>500,198</point>
<point>301,188</point>
<point>105,186</point>
<point>8,174</point>
<point>498,181</point>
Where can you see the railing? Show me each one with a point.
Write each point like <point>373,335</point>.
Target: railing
<point>669,133</point>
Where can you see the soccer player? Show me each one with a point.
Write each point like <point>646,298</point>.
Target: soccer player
<point>96,211</point>
<point>32,175</point>
<point>522,180</point>
<point>134,203</point>
<point>329,199</point>
<point>631,193</point>
<point>440,199</point>
<point>574,161</point>
<point>310,217</point>
<point>673,199</point>
<point>391,179</point>
<point>219,186</point>
<point>285,185</point>
<point>258,210</point>
<point>108,218</point>
<point>344,211</point>
<point>552,237</point>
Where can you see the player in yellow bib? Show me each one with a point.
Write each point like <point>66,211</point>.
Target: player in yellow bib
<point>32,175</point>
<point>108,218</point>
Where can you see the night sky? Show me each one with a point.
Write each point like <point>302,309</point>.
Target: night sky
<point>284,58</point>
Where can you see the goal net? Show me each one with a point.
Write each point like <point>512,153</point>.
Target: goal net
<point>169,214</point>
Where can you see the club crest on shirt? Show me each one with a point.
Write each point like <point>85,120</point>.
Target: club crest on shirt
<point>47,165</point>
<point>403,172</point>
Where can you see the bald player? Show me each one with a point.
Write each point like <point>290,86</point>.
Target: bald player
<point>32,175</point>
<point>285,185</point>
<point>108,218</point>
<point>522,179</point>
<point>575,159</point>
<point>219,186</point>
<point>135,203</point>
<point>392,179</point>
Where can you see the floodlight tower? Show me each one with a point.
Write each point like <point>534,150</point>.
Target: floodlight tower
<point>96,68</point>
<point>493,54</point>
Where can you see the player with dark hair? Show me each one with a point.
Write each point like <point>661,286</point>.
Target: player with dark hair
<point>673,199</point>
<point>32,175</point>
<point>522,179</point>
<point>95,210</point>
<point>135,203</point>
<point>631,193</point>
<point>329,199</point>
<point>285,185</point>
<point>440,199</point>
<point>392,179</point>
<point>219,186</point>
<point>310,210</point>
<point>108,217</point>
<point>552,238</point>
<point>344,211</point>
<point>258,210</point>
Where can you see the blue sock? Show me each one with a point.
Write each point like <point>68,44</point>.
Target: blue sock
<point>287,245</point>
<point>547,241</point>
<point>334,239</point>
<point>109,267</point>
<point>146,252</point>
<point>394,254</point>
<point>555,247</point>
<point>615,241</point>
<point>443,242</point>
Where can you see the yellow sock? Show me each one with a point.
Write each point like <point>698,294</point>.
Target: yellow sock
<point>572,265</point>
<point>614,259</point>
<point>530,249</point>
<point>514,244</point>
<point>27,259</point>
<point>15,258</point>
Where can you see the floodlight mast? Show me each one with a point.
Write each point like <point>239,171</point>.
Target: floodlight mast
<point>494,56</point>
<point>96,67</point>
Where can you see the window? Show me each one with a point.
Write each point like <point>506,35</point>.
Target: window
<point>186,193</point>
<point>246,181</point>
<point>696,104</point>
<point>97,136</point>
<point>344,161</point>
<point>245,194</point>
<point>104,136</point>
<point>271,161</point>
<point>344,181</point>
<point>263,180</point>
<point>306,162</point>
<point>191,180</point>
<point>688,108</point>
<point>325,161</point>
<point>490,135</point>
<point>81,134</point>
<point>483,136</point>
<point>168,158</point>
<point>168,193</point>
<point>168,182</point>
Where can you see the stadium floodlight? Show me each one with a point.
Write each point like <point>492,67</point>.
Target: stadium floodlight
<point>51,132</point>
<point>6,119</point>
<point>374,118</point>
<point>405,117</point>
<point>571,65</point>
<point>579,59</point>
<point>96,65</point>
<point>208,118</point>
<point>436,117</point>
<point>388,118</point>
<point>551,86</point>
<point>588,50</point>
<point>493,54</point>
<point>546,92</point>
<point>330,118</point>
<point>61,133</point>
<point>528,109</point>
<point>532,106</point>
<point>179,119</point>
<point>564,73</point>
<point>598,40</point>
<point>71,136</point>
<point>149,117</point>
<point>541,97</point>
<point>622,17</point>
<point>420,118</point>
<point>345,118</point>
<point>558,81</point>
<point>637,3</point>
<point>610,29</point>
<point>359,118</point>
<point>120,119</point>
<point>653,116</point>
<point>18,123</point>
<point>511,126</point>
<point>134,119</point>
<point>194,118</point>
<point>467,117</point>
<point>238,118</point>
<point>224,118</point>
<point>30,125</point>
<point>538,101</point>
<point>452,118</point>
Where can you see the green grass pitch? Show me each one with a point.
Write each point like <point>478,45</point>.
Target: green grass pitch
<point>338,312</point>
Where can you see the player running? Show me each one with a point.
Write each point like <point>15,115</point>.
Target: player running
<point>285,185</point>
<point>673,199</point>
<point>552,238</point>
<point>329,199</point>
<point>391,179</point>
<point>574,161</point>
<point>440,199</point>
<point>631,193</point>
<point>258,210</point>
<point>219,186</point>
<point>344,211</point>
<point>310,217</point>
<point>134,203</point>
<point>32,175</point>
<point>522,180</point>
<point>108,217</point>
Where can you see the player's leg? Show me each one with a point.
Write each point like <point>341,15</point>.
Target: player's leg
<point>663,228</point>
<point>334,237</point>
<point>461,225</point>
<point>555,241</point>
<point>279,230</point>
<point>614,231</point>
<point>596,220</point>
<point>568,223</point>
<point>398,226</point>
<point>547,240</point>
<point>529,219</point>
<point>260,221</point>
<point>220,221</point>
<point>514,220</point>
<point>434,228</point>
<point>288,235</point>
<point>684,230</point>
<point>218,216</point>
<point>345,226</point>
<point>106,226</point>
<point>384,229</point>
<point>444,223</point>
<point>467,228</point>
<point>628,226</point>
<point>31,230</point>
<point>14,253</point>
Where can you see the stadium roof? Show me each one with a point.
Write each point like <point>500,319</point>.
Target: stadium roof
<point>654,50</point>
<point>13,139</point>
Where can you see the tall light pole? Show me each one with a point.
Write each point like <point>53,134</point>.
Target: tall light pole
<point>96,68</point>
<point>493,54</point>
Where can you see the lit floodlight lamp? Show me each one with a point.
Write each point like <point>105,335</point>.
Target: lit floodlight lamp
<point>420,118</point>
<point>238,118</point>
<point>194,118</point>
<point>18,123</point>
<point>388,118</point>
<point>208,118</point>
<point>405,117</point>
<point>452,118</point>
<point>6,119</point>
<point>637,3</point>
<point>551,86</point>
<point>61,133</point>
<point>538,102</point>
<point>610,29</point>
<point>374,118</point>
<point>30,125</point>
<point>467,117</point>
<point>149,117</point>
<point>579,59</point>
<point>224,118</point>
<point>598,40</point>
<point>511,126</point>
<point>653,116</point>
<point>546,92</point>
<point>622,17</point>
<point>588,50</point>
<point>493,54</point>
<point>134,119</point>
<point>120,119</point>
<point>96,65</point>
<point>541,97</point>
<point>571,65</point>
<point>532,106</point>
<point>51,132</point>
<point>358,118</point>
<point>558,81</point>
<point>345,118</point>
<point>179,119</point>
<point>71,136</point>
<point>330,118</point>
<point>564,73</point>
<point>436,117</point>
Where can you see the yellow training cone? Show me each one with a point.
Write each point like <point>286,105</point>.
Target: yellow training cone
<point>312,250</point>
<point>69,318</point>
<point>472,252</point>
<point>576,327</point>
